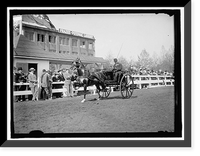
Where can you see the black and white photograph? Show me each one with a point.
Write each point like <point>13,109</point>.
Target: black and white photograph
<point>96,74</point>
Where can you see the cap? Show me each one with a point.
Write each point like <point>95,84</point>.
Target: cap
<point>31,69</point>
<point>20,68</point>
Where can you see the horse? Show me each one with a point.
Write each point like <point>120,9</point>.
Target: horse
<point>85,78</point>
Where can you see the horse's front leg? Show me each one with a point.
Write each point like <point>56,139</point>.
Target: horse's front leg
<point>85,92</point>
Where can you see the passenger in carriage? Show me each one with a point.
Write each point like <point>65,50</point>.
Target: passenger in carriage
<point>117,69</point>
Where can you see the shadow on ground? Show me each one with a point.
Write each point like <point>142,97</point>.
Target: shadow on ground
<point>114,97</point>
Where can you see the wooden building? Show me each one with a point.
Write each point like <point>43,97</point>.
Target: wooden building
<point>39,45</point>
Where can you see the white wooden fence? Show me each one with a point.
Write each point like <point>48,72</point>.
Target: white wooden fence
<point>55,90</point>
<point>142,81</point>
<point>150,81</point>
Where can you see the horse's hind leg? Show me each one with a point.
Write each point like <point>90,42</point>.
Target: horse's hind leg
<point>98,89</point>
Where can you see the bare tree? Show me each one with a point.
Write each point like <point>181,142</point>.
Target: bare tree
<point>144,60</point>
<point>109,59</point>
<point>124,62</point>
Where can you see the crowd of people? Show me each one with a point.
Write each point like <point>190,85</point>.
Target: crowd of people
<point>146,71</point>
<point>64,75</point>
<point>19,77</point>
<point>46,79</point>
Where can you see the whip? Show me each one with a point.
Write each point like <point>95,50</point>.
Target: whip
<point>120,50</point>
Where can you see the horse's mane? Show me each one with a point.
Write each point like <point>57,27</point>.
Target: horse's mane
<point>87,70</point>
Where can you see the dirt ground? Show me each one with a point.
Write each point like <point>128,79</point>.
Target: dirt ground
<point>148,110</point>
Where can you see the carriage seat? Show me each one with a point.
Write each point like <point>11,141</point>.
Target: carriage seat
<point>108,74</point>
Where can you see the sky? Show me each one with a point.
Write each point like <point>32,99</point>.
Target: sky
<point>123,34</point>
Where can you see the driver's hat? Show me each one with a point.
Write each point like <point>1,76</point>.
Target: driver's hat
<point>115,59</point>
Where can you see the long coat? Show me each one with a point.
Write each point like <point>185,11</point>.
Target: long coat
<point>45,80</point>
<point>32,80</point>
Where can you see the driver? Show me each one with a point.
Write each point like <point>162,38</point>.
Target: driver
<point>117,68</point>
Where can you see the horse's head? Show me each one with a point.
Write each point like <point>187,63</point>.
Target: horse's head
<point>79,67</point>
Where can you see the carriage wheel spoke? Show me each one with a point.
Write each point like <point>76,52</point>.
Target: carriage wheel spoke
<point>126,86</point>
<point>127,93</point>
<point>105,93</point>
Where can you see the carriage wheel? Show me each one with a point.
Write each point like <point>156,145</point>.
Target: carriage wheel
<point>126,86</point>
<point>105,93</point>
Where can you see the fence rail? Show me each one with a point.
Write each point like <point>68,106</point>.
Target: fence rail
<point>142,81</point>
<point>55,90</point>
<point>150,81</point>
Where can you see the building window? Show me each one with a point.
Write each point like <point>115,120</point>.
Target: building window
<point>63,41</point>
<point>82,45</point>
<point>82,53</point>
<point>29,35</point>
<point>74,42</point>
<point>40,37</point>
<point>52,50</point>
<point>74,53</point>
<point>90,54</point>
<point>91,45</point>
<point>52,39</point>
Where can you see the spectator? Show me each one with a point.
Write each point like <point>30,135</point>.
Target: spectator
<point>44,84</point>
<point>33,84</point>
<point>15,88</point>
<point>68,84</point>
<point>50,84</point>
<point>21,78</point>
<point>60,75</point>
<point>14,74</point>
<point>54,77</point>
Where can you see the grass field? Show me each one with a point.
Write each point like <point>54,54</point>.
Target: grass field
<point>148,110</point>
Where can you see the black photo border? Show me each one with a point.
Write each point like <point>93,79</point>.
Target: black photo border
<point>128,143</point>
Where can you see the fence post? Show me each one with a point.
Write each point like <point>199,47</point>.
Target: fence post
<point>149,81</point>
<point>140,85</point>
<point>165,79</point>
<point>111,89</point>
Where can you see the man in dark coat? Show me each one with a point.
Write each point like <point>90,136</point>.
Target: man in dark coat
<point>45,84</point>
<point>117,70</point>
<point>21,78</point>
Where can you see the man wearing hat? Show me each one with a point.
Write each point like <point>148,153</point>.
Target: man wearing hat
<point>117,68</point>
<point>21,78</point>
<point>68,84</point>
<point>45,84</point>
<point>33,84</point>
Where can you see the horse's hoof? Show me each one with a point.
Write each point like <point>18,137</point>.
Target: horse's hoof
<point>83,101</point>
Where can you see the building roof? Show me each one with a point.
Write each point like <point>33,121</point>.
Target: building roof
<point>29,49</point>
<point>41,20</point>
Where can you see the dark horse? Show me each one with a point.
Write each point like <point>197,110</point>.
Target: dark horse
<point>86,78</point>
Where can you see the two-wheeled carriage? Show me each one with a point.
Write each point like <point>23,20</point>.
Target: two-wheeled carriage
<point>124,81</point>
<point>103,80</point>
